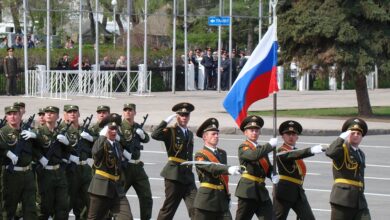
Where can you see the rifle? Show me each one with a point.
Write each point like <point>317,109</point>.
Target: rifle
<point>3,121</point>
<point>84,128</point>
<point>54,142</point>
<point>21,142</point>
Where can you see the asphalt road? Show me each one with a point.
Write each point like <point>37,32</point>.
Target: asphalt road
<point>318,182</point>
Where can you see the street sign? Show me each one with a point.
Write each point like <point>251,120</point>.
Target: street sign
<point>219,21</point>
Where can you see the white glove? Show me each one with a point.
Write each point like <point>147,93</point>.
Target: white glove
<point>170,118</point>
<point>345,135</point>
<point>230,203</point>
<point>104,131</point>
<point>127,154</point>
<point>316,149</point>
<point>117,137</point>
<point>61,138</point>
<point>74,159</point>
<point>65,161</point>
<point>273,142</point>
<point>28,134</point>
<point>234,170</point>
<point>86,136</point>
<point>13,157</point>
<point>275,178</point>
<point>90,162</point>
<point>43,161</point>
<point>140,133</point>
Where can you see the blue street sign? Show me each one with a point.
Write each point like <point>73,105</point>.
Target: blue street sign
<point>219,21</point>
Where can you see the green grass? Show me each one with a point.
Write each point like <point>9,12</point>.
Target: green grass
<point>379,112</point>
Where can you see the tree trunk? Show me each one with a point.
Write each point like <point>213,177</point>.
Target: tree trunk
<point>91,20</point>
<point>15,16</point>
<point>364,106</point>
<point>250,38</point>
<point>120,25</point>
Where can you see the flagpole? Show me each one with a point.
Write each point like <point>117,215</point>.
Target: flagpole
<point>274,21</point>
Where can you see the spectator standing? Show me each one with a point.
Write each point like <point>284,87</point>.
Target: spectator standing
<point>242,61</point>
<point>225,71</point>
<point>10,64</point>
<point>18,42</point>
<point>192,60</point>
<point>4,43</point>
<point>208,63</point>
<point>86,64</point>
<point>121,63</point>
<point>30,42</point>
<point>64,63</point>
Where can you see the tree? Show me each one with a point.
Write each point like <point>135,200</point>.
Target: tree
<point>352,35</point>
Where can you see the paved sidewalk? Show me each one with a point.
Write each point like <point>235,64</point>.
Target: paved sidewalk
<point>209,104</point>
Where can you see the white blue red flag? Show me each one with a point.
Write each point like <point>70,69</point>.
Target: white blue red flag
<point>257,78</point>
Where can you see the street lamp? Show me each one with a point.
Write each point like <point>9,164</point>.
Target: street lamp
<point>114,3</point>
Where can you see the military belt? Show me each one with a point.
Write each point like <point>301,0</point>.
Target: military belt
<point>176,159</point>
<point>349,182</point>
<point>52,167</point>
<point>107,175</point>
<point>291,179</point>
<point>22,169</point>
<point>253,178</point>
<point>83,162</point>
<point>134,161</point>
<point>212,186</point>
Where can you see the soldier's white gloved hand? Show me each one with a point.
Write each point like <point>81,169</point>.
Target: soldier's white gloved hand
<point>316,149</point>
<point>74,159</point>
<point>104,131</point>
<point>345,134</point>
<point>43,161</point>
<point>13,157</point>
<point>140,133</point>
<point>86,136</point>
<point>234,170</point>
<point>117,137</point>
<point>170,118</point>
<point>28,134</point>
<point>230,203</point>
<point>127,154</point>
<point>273,142</point>
<point>61,138</point>
<point>275,178</point>
<point>66,161</point>
<point>90,162</point>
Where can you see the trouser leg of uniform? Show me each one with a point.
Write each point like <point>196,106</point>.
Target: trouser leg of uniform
<point>121,209</point>
<point>87,176</point>
<point>200,214</point>
<point>189,198</point>
<point>46,190</point>
<point>12,192</point>
<point>79,194</point>
<point>98,207</point>
<point>61,195</point>
<point>265,210</point>
<point>246,209</point>
<point>73,180</point>
<point>174,193</point>
<point>342,213</point>
<point>142,188</point>
<point>29,208</point>
<point>363,214</point>
<point>281,208</point>
<point>303,210</point>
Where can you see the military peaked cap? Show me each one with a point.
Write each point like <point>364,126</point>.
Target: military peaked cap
<point>290,126</point>
<point>355,124</point>
<point>41,111</point>
<point>112,120</point>
<point>129,106</point>
<point>20,104</point>
<point>9,109</point>
<point>183,108</point>
<point>68,108</point>
<point>103,108</point>
<point>252,121</point>
<point>52,109</point>
<point>210,124</point>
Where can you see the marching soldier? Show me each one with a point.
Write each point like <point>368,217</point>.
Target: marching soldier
<point>102,111</point>
<point>212,201</point>
<point>10,65</point>
<point>79,174</point>
<point>179,144</point>
<point>106,189</point>
<point>289,193</point>
<point>18,177</point>
<point>22,108</point>
<point>52,182</point>
<point>134,173</point>
<point>41,117</point>
<point>253,197</point>
<point>347,198</point>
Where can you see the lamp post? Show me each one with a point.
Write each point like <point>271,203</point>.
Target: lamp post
<point>114,3</point>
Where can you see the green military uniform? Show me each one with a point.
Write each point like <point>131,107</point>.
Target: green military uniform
<point>253,197</point>
<point>213,197</point>
<point>95,129</point>
<point>106,189</point>
<point>179,180</point>
<point>52,182</point>
<point>347,196</point>
<point>134,171</point>
<point>289,193</point>
<point>10,65</point>
<point>18,181</point>
<point>79,175</point>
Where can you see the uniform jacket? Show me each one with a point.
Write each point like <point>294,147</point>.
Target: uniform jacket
<point>249,157</point>
<point>9,138</point>
<point>347,165</point>
<point>289,165</point>
<point>128,133</point>
<point>176,146</point>
<point>107,158</point>
<point>79,146</point>
<point>10,66</point>
<point>207,198</point>
<point>208,62</point>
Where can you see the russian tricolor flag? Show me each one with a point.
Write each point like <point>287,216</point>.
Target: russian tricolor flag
<point>256,80</point>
